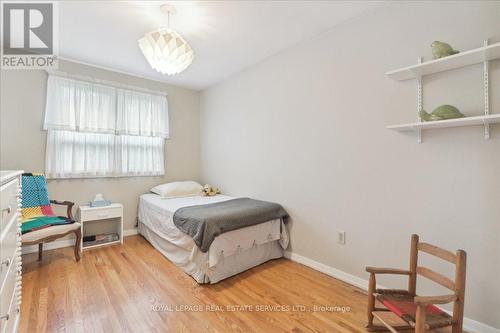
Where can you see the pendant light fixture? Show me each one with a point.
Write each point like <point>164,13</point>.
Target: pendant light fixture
<point>165,50</point>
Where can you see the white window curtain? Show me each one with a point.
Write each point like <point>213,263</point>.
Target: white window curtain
<point>99,130</point>
<point>141,114</point>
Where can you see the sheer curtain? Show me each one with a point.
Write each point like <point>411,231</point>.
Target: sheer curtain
<point>98,130</point>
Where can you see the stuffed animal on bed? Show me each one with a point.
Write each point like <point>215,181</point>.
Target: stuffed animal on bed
<point>210,190</point>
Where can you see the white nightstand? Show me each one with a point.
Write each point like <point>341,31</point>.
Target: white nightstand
<point>107,214</point>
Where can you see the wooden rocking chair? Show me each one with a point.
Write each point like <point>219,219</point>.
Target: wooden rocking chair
<point>419,312</point>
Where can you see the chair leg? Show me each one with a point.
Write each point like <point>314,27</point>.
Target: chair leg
<point>40,250</point>
<point>78,234</point>
<point>371,300</point>
<point>420,319</point>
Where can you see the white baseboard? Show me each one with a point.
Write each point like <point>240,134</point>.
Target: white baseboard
<point>336,273</point>
<point>129,232</point>
<point>66,243</point>
<point>470,325</point>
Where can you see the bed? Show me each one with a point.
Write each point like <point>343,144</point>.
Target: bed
<point>229,254</point>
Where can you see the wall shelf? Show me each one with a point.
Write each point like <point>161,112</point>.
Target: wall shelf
<point>459,60</point>
<point>467,121</point>
<point>481,55</point>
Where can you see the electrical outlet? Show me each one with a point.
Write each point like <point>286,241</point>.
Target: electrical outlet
<point>341,237</point>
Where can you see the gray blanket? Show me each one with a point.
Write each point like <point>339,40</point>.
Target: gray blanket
<point>205,222</point>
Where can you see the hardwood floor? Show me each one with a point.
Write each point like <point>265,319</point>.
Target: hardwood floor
<point>121,289</point>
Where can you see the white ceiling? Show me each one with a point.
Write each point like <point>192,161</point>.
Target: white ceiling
<point>226,36</point>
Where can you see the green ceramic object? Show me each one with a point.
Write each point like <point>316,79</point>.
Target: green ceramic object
<point>428,117</point>
<point>441,112</point>
<point>447,112</point>
<point>441,49</point>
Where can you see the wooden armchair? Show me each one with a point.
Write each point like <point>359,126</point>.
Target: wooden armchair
<point>419,312</point>
<point>39,223</point>
<point>52,233</point>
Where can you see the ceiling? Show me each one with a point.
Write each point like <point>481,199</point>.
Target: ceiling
<point>226,36</point>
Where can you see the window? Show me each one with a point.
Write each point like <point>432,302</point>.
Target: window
<point>99,130</point>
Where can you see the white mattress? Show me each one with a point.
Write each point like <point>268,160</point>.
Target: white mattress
<point>157,214</point>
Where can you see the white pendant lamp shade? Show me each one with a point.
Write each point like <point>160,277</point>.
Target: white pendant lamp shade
<point>166,51</point>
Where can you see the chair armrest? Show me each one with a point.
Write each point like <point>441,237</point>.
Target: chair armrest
<point>378,270</point>
<point>65,203</point>
<point>424,300</point>
<point>69,204</point>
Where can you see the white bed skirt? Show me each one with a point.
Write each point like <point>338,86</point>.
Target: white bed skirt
<point>197,265</point>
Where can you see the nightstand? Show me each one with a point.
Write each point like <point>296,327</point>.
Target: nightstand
<point>108,218</point>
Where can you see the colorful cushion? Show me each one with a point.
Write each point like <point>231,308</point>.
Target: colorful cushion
<point>35,205</point>
<point>37,235</point>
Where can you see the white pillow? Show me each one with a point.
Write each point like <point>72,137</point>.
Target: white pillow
<point>178,189</point>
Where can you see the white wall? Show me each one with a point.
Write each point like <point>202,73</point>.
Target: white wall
<point>23,140</point>
<point>306,128</point>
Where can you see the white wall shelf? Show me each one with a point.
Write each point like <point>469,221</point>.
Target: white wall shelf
<point>480,55</point>
<point>459,60</point>
<point>467,121</point>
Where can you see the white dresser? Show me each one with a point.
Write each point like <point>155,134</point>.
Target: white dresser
<point>10,250</point>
